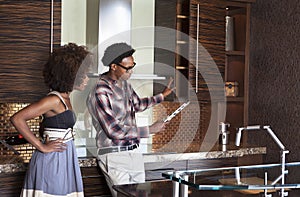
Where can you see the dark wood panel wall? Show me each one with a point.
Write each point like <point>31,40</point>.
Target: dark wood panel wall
<point>25,45</point>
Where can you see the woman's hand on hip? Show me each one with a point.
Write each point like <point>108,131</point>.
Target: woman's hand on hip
<point>54,146</point>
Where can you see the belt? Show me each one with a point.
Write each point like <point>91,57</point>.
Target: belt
<point>113,149</point>
<point>54,133</point>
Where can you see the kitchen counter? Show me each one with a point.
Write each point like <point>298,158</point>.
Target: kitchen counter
<point>14,163</point>
<point>156,163</point>
<point>9,164</point>
<point>213,154</point>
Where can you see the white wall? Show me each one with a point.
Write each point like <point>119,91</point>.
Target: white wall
<point>143,18</point>
<point>142,39</point>
<point>73,24</point>
<point>74,29</point>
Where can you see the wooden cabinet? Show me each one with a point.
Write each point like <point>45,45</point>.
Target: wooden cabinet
<point>94,183</point>
<point>202,62</point>
<point>207,61</point>
<point>164,40</point>
<point>11,183</point>
<point>209,27</point>
<point>25,47</point>
<point>171,50</point>
<point>182,49</point>
<point>207,48</point>
<point>189,22</point>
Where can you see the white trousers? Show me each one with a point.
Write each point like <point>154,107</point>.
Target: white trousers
<point>122,168</point>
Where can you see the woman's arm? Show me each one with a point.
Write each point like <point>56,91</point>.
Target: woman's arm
<point>32,111</point>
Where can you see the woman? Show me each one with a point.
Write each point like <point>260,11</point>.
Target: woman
<point>54,168</point>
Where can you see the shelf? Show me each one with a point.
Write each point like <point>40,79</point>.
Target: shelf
<point>235,99</point>
<point>181,42</point>
<point>181,67</point>
<point>182,16</point>
<point>182,48</point>
<point>245,1</point>
<point>240,53</point>
<point>236,11</point>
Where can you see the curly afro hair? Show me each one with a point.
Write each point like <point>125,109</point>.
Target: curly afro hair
<point>116,52</point>
<point>65,64</point>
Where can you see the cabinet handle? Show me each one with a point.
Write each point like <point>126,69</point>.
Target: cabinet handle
<point>197,45</point>
<point>51,28</point>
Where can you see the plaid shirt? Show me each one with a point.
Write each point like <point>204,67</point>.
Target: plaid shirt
<point>113,111</point>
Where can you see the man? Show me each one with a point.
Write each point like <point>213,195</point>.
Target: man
<point>113,104</point>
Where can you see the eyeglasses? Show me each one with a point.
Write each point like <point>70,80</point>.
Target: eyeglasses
<point>127,68</point>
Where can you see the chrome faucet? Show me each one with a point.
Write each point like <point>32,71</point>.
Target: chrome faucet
<point>283,152</point>
<point>239,133</point>
<point>257,127</point>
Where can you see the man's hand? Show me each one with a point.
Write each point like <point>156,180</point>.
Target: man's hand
<point>168,90</point>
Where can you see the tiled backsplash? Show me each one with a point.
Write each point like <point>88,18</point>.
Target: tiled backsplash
<point>8,130</point>
<point>186,131</point>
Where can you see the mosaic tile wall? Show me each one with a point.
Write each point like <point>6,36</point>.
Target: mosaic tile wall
<point>186,131</point>
<point>7,130</point>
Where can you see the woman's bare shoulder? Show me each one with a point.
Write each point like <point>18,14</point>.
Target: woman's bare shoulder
<point>50,100</point>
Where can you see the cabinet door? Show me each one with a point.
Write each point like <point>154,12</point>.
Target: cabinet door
<point>25,45</point>
<point>165,39</point>
<point>207,50</point>
<point>172,46</point>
